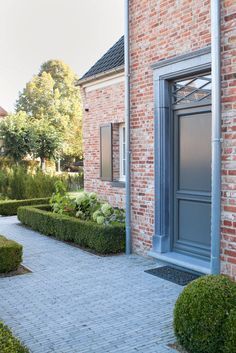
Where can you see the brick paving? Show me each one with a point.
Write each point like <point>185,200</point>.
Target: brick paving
<point>76,302</point>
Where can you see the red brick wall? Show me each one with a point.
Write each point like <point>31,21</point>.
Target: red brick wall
<point>162,29</point>
<point>106,105</point>
<point>229,136</point>
<point>159,29</point>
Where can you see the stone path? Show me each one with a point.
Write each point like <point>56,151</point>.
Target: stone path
<point>76,302</point>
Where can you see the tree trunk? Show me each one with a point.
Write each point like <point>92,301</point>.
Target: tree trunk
<point>43,165</point>
<point>59,165</point>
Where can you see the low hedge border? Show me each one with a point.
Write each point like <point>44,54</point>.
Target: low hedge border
<point>9,207</point>
<point>10,255</point>
<point>104,239</point>
<point>8,343</point>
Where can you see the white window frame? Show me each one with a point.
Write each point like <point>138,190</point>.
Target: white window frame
<point>122,151</point>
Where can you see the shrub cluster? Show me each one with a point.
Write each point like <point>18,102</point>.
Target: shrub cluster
<point>202,322</point>
<point>9,207</point>
<point>85,207</point>
<point>8,343</point>
<point>104,239</point>
<point>19,183</point>
<point>10,255</point>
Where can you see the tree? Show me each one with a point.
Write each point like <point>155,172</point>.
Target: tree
<point>52,96</point>
<point>47,141</point>
<point>18,136</point>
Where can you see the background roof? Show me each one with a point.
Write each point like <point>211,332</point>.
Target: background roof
<point>2,112</point>
<point>112,59</point>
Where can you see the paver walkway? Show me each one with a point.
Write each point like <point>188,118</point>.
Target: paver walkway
<point>76,302</point>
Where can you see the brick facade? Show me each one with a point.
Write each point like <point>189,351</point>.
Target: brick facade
<point>161,29</point>
<point>229,137</point>
<point>106,105</point>
<point>158,30</point>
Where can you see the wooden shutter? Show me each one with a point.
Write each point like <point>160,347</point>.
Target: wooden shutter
<point>106,152</point>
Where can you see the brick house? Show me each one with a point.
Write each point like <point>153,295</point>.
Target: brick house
<point>172,107</point>
<point>102,90</point>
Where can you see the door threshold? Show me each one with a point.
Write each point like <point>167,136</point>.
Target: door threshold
<point>186,261</point>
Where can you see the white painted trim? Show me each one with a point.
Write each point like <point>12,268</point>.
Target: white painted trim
<point>104,82</point>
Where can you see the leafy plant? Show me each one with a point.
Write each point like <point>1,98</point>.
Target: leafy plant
<point>60,202</point>
<point>86,205</point>
<point>106,214</point>
<point>8,343</point>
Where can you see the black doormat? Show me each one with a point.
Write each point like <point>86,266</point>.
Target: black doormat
<point>174,275</point>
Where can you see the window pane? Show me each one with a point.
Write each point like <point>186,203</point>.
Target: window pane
<point>195,89</point>
<point>106,152</point>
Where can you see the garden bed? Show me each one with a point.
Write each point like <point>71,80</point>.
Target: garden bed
<point>10,207</point>
<point>22,270</point>
<point>103,239</point>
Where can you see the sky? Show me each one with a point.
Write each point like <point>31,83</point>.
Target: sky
<point>78,32</point>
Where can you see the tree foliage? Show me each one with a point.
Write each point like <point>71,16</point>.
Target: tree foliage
<point>25,136</point>
<point>18,136</point>
<point>53,98</point>
<point>47,141</point>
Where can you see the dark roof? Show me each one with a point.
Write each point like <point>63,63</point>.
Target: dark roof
<point>2,112</point>
<point>113,59</point>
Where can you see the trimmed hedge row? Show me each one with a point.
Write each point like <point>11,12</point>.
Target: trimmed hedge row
<point>104,239</point>
<point>10,255</point>
<point>9,207</point>
<point>8,343</point>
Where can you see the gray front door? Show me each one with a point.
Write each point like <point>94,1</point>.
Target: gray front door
<point>191,176</point>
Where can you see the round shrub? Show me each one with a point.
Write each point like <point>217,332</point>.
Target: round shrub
<point>230,333</point>
<point>201,311</point>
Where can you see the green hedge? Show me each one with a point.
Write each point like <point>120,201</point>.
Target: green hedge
<point>10,255</point>
<point>104,239</point>
<point>230,333</point>
<point>9,207</point>
<point>8,343</point>
<point>201,312</point>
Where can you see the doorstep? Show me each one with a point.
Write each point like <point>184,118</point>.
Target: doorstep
<point>181,260</point>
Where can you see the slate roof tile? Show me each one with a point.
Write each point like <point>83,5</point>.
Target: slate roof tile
<point>112,59</point>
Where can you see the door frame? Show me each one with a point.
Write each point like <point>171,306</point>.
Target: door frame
<point>164,72</point>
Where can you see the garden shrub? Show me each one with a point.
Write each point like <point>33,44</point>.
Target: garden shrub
<point>104,239</point>
<point>85,206</point>
<point>4,185</point>
<point>10,255</point>
<point>41,185</point>
<point>200,313</point>
<point>60,202</point>
<point>9,207</point>
<point>19,183</point>
<point>8,343</point>
<point>106,214</point>
<point>230,333</point>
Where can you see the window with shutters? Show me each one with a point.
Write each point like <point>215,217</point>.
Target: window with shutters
<point>106,152</point>
<point>122,151</point>
<point>112,152</point>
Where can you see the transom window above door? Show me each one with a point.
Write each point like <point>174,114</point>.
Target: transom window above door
<point>196,89</point>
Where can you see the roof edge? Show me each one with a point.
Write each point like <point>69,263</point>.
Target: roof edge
<point>116,70</point>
